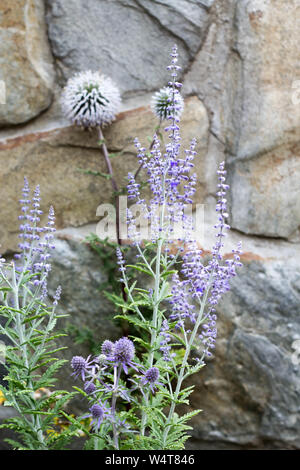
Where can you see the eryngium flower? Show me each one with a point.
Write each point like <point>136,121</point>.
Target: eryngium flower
<point>124,350</point>
<point>89,388</point>
<point>90,99</point>
<point>161,103</point>
<point>80,366</point>
<point>107,347</point>
<point>98,412</point>
<point>152,374</point>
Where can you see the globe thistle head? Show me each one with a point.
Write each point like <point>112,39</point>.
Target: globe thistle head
<point>107,347</point>
<point>161,103</point>
<point>90,99</point>
<point>124,351</point>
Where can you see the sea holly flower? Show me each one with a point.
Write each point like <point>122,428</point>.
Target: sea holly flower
<point>90,388</point>
<point>124,353</point>
<point>98,412</point>
<point>90,99</point>
<point>107,348</point>
<point>81,366</point>
<point>150,378</point>
<point>161,103</point>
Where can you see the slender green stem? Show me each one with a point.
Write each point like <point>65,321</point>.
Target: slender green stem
<point>113,182</point>
<point>156,297</point>
<point>20,329</point>
<point>181,376</point>
<point>117,374</point>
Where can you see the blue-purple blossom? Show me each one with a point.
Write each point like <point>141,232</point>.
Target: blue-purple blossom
<point>98,412</point>
<point>120,260</point>
<point>81,366</point>
<point>151,378</point>
<point>36,241</point>
<point>90,388</point>
<point>124,353</point>
<point>107,348</point>
<point>57,295</point>
<point>165,340</point>
<point>151,375</point>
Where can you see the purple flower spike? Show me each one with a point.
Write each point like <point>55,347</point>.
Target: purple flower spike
<point>124,350</point>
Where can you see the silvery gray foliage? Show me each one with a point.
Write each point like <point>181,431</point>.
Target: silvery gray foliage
<point>28,326</point>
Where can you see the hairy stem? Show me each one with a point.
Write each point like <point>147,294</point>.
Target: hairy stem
<point>117,374</point>
<point>113,182</point>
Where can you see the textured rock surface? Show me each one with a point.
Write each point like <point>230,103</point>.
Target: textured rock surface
<point>103,35</point>
<point>269,120</point>
<point>266,41</point>
<point>250,391</point>
<point>52,159</point>
<point>265,193</point>
<point>244,73</point>
<point>25,61</point>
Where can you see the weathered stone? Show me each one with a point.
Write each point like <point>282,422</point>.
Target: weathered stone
<point>250,391</point>
<point>79,271</point>
<point>52,159</point>
<point>265,193</point>
<point>214,74</point>
<point>267,45</point>
<point>121,36</point>
<point>25,61</point>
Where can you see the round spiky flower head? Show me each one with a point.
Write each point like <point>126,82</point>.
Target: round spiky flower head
<point>107,348</point>
<point>161,103</point>
<point>90,99</point>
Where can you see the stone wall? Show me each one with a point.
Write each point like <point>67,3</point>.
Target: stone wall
<point>240,68</point>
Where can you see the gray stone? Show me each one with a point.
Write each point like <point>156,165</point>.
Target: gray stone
<point>250,391</point>
<point>25,62</point>
<point>265,193</point>
<point>125,39</point>
<point>78,269</point>
<point>267,38</point>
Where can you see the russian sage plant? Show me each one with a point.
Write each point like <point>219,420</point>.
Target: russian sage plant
<point>135,387</point>
<point>27,323</point>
